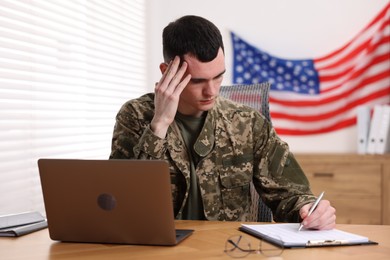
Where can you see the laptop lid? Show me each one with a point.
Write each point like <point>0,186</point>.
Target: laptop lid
<point>109,201</point>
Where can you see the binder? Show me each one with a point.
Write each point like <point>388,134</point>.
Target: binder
<point>374,129</point>
<point>287,235</point>
<point>383,139</point>
<point>363,127</point>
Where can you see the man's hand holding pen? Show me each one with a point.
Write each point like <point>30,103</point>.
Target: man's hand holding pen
<point>322,217</point>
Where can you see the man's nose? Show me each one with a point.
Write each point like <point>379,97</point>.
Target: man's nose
<point>211,88</point>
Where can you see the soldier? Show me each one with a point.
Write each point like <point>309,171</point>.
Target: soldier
<point>215,147</point>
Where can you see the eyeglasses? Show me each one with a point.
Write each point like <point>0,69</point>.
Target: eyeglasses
<point>239,246</point>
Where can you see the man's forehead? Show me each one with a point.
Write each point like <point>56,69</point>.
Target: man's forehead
<point>206,70</point>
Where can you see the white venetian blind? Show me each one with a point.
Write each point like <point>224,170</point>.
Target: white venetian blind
<point>66,67</point>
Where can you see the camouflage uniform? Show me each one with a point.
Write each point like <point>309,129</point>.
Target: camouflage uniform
<point>237,146</point>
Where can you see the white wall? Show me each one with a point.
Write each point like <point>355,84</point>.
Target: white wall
<point>286,28</point>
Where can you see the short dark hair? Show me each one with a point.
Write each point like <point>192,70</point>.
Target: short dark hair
<point>191,35</point>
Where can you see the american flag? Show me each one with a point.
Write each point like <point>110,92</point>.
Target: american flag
<point>314,96</point>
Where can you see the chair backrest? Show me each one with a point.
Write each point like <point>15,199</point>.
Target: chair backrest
<point>254,95</point>
<point>257,97</point>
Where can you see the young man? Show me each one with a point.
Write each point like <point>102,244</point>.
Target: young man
<point>214,147</point>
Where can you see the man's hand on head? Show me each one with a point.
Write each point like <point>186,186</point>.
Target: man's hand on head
<point>167,95</point>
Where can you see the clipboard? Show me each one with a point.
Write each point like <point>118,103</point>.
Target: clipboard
<point>287,235</point>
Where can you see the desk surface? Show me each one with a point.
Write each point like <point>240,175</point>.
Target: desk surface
<point>207,242</point>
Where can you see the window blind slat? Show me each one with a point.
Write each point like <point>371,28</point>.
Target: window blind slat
<point>98,45</point>
<point>87,52</point>
<point>72,20</point>
<point>66,67</point>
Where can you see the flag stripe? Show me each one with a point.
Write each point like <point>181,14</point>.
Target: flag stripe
<point>329,107</point>
<point>352,55</point>
<point>320,117</point>
<point>329,85</point>
<point>301,103</point>
<point>318,127</point>
<point>337,126</point>
<point>324,76</point>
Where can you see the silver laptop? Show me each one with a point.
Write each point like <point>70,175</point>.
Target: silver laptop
<point>109,201</point>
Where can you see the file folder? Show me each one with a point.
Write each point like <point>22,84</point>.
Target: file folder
<point>22,230</point>
<point>22,223</point>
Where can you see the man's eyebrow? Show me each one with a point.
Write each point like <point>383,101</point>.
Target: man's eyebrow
<point>220,74</point>
<point>201,79</point>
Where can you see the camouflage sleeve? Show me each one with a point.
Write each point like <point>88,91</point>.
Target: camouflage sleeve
<point>278,177</point>
<point>133,139</point>
<point>150,146</point>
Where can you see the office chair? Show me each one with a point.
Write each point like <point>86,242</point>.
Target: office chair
<point>257,97</point>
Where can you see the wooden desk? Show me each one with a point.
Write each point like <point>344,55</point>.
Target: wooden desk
<point>207,242</point>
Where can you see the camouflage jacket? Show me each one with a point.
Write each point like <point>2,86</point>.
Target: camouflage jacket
<point>237,145</point>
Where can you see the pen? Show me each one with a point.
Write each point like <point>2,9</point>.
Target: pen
<point>313,207</point>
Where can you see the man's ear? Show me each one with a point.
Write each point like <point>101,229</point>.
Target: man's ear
<point>163,67</point>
